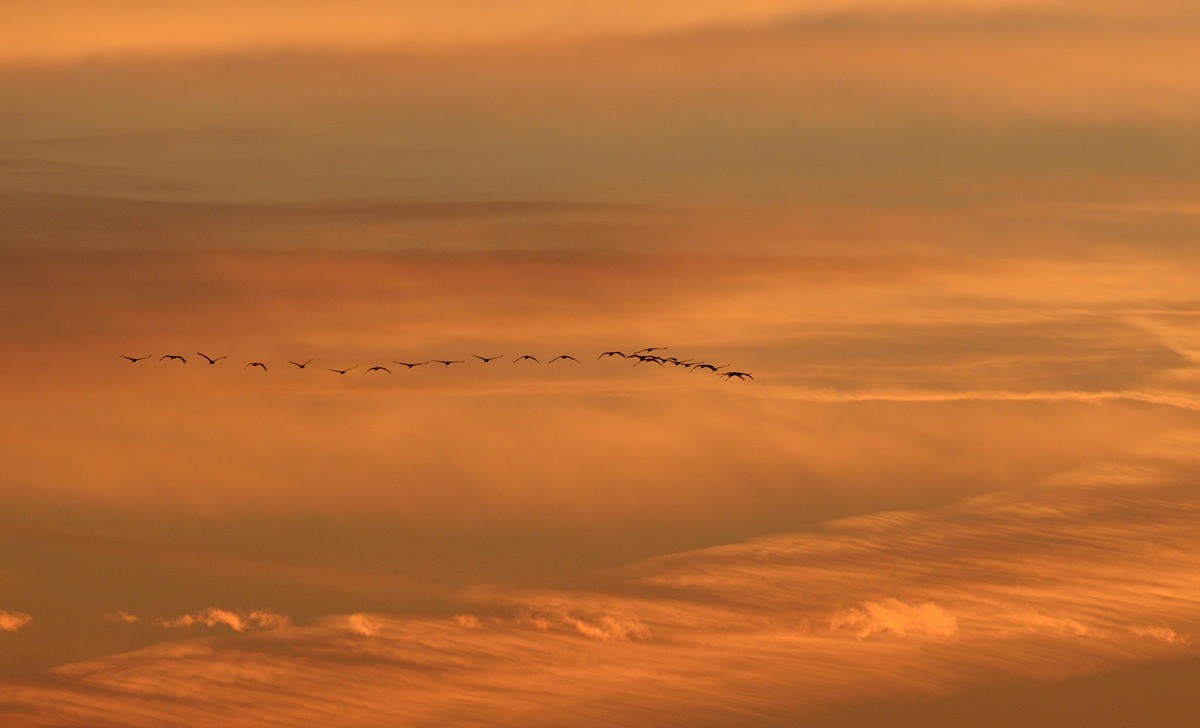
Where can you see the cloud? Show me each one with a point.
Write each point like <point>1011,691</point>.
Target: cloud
<point>597,626</point>
<point>991,590</point>
<point>120,617</point>
<point>363,624</point>
<point>895,617</point>
<point>234,620</point>
<point>13,621</point>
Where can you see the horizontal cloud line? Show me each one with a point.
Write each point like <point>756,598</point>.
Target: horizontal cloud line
<point>1168,399</point>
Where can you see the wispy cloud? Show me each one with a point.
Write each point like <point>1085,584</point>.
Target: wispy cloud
<point>238,621</point>
<point>13,621</point>
<point>121,617</point>
<point>1028,587</point>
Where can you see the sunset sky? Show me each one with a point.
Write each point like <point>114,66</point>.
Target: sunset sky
<point>957,245</point>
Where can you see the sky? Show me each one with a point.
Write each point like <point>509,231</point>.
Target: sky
<point>954,244</point>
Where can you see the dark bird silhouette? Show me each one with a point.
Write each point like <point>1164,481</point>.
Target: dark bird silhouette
<point>256,364</point>
<point>739,375</point>
<point>706,365</point>
<point>211,360</point>
<point>448,362</point>
<point>563,356</point>
<point>172,356</point>
<point>343,371</point>
<point>378,369</point>
<point>298,364</point>
<point>526,356</point>
<point>486,359</point>
<point>136,359</point>
<point>611,353</point>
<point>643,358</point>
<point>649,349</point>
<point>410,364</point>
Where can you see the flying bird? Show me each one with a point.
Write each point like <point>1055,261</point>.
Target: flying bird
<point>526,356</point>
<point>136,359</point>
<point>710,367</point>
<point>612,353</point>
<point>343,371</point>
<point>172,356</point>
<point>211,360</point>
<point>486,359</point>
<point>448,362</point>
<point>256,364</point>
<point>739,375</point>
<point>649,349</point>
<point>378,369</point>
<point>643,358</point>
<point>298,364</point>
<point>563,356</point>
<point>410,364</point>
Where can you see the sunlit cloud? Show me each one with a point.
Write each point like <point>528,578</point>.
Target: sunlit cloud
<point>234,620</point>
<point>120,617</point>
<point>993,589</point>
<point>13,621</point>
<point>895,617</point>
<point>953,243</point>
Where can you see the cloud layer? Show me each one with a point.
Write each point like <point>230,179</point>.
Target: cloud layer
<point>1036,587</point>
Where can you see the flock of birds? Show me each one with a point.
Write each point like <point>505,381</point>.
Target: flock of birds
<point>643,356</point>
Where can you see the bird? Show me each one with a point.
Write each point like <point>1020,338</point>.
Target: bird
<point>643,358</point>
<point>448,362</point>
<point>739,375</point>
<point>136,359</point>
<point>256,364</point>
<point>563,356</point>
<point>649,349</point>
<point>706,365</point>
<point>211,360</point>
<point>526,356</point>
<point>343,371</point>
<point>298,364</point>
<point>612,353</point>
<point>172,356</point>
<point>378,369</point>
<point>486,359</point>
<point>410,364</point>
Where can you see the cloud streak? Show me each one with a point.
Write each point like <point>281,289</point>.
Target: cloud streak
<point>1037,587</point>
<point>235,620</point>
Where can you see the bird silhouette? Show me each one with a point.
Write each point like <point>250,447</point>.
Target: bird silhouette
<point>611,353</point>
<point>526,356</point>
<point>643,358</point>
<point>298,364</point>
<point>649,349</point>
<point>256,364</point>
<point>378,369</point>
<point>136,359</point>
<point>172,356</point>
<point>410,364</point>
<point>343,371</point>
<point>563,356</point>
<point>486,359</point>
<point>706,365</point>
<point>448,362</point>
<point>739,375</point>
<point>211,360</point>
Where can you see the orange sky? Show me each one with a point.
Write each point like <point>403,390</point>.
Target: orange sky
<point>953,242</point>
